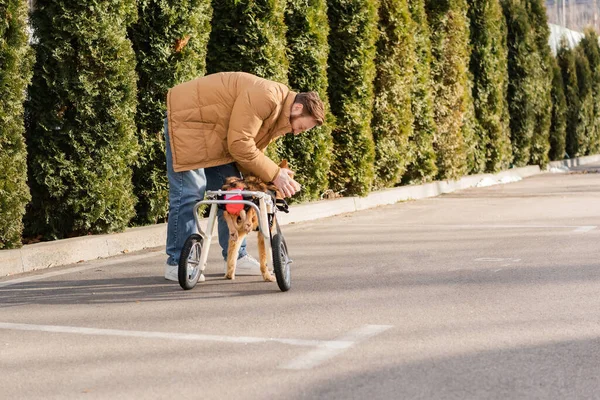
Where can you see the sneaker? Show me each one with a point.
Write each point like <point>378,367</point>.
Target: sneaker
<point>171,272</point>
<point>246,265</point>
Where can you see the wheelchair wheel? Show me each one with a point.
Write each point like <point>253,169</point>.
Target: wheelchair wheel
<point>189,262</point>
<point>281,262</point>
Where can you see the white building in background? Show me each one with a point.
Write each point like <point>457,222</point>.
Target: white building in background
<point>575,15</point>
<point>570,18</point>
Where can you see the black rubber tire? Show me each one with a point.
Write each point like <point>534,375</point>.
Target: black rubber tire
<point>194,242</point>
<point>281,262</point>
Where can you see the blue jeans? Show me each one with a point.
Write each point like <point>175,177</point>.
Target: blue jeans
<point>185,190</point>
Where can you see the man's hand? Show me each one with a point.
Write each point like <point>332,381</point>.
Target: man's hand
<point>285,183</point>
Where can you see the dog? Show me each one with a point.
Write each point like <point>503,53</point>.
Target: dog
<point>241,222</point>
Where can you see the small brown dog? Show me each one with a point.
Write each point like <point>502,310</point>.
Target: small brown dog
<point>242,223</point>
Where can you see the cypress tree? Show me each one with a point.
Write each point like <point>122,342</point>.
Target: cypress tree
<point>521,63</point>
<point>248,36</point>
<point>15,72</point>
<point>542,79</point>
<point>81,131</point>
<point>489,68</point>
<point>353,30</point>
<point>575,129</point>
<point>586,100</point>
<point>392,115</point>
<point>422,165</point>
<point>591,48</point>
<point>309,154</point>
<point>451,53</point>
<point>558,127</point>
<point>170,45</point>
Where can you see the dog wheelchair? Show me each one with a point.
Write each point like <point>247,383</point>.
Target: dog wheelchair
<point>194,254</point>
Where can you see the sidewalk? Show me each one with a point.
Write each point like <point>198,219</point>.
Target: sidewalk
<point>69,251</point>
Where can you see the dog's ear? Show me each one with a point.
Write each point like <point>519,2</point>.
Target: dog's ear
<point>233,182</point>
<point>231,179</point>
<point>284,164</point>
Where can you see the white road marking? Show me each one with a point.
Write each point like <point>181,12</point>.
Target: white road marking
<point>583,229</point>
<point>328,350</point>
<point>88,265</point>
<point>325,349</point>
<point>493,259</point>
<point>162,335</point>
<point>578,228</point>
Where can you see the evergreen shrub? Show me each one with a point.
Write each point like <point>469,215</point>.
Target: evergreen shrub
<point>16,60</point>
<point>169,40</point>
<point>450,59</point>
<point>353,32</point>
<point>80,118</point>
<point>591,48</point>
<point>575,128</point>
<point>248,36</point>
<point>309,154</point>
<point>392,122</point>
<point>422,165</point>
<point>542,79</point>
<point>522,61</point>
<point>489,68</point>
<point>586,100</point>
<point>558,127</point>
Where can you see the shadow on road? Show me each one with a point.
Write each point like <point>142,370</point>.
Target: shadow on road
<point>127,290</point>
<point>557,370</point>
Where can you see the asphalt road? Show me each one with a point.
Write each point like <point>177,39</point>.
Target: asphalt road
<point>488,293</point>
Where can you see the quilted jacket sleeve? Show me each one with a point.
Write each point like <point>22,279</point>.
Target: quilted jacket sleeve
<point>251,108</point>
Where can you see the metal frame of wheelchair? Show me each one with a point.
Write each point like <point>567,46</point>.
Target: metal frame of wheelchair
<point>194,254</point>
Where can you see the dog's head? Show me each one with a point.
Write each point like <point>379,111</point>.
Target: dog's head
<point>233,183</point>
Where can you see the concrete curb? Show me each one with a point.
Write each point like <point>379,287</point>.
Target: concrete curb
<point>328,208</point>
<point>574,162</point>
<point>69,251</point>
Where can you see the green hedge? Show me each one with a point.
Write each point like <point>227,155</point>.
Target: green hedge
<point>422,166</point>
<point>575,128</point>
<point>309,154</point>
<point>591,48</point>
<point>450,58</point>
<point>521,84</point>
<point>248,36</point>
<point>170,45</point>
<point>489,68</point>
<point>558,127</point>
<point>586,100</point>
<point>353,32</point>
<point>81,130</point>
<point>542,78</point>
<point>392,122</point>
<point>15,72</point>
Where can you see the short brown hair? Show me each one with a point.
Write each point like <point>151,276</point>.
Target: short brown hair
<point>312,106</point>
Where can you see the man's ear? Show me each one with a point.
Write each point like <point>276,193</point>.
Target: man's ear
<point>297,108</point>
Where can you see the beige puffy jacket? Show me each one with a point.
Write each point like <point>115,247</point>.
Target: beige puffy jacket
<point>226,117</point>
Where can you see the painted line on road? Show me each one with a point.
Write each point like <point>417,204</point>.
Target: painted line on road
<point>88,265</point>
<point>327,351</point>
<point>578,228</point>
<point>164,335</point>
<point>583,229</point>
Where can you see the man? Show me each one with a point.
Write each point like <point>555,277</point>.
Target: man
<point>217,126</point>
